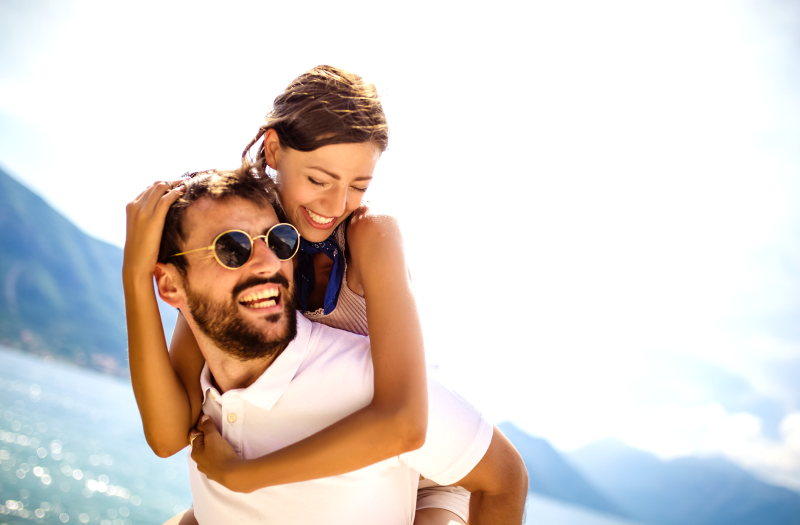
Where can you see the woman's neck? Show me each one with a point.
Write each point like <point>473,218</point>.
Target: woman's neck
<point>323,265</point>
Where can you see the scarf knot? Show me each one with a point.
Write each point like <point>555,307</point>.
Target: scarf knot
<point>305,270</point>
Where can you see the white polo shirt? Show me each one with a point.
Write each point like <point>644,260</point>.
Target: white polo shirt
<point>322,376</point>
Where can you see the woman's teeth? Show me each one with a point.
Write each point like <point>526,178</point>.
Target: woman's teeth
<point>319,219</point>
<point>262,299</point>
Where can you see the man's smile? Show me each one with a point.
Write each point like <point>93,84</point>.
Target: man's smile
<point>259,297</point>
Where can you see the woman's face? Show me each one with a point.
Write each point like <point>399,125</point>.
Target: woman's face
<point>319,189</point>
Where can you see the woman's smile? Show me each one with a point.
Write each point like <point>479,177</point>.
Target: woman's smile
<point>318,221</point>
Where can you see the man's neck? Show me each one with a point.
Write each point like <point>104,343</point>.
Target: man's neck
<point>228,372</point>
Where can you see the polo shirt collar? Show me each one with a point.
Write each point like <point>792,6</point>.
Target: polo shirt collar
<point>267,389</point>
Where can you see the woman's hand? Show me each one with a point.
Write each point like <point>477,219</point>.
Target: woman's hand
<point>214,456</point>
<point>146,214</point>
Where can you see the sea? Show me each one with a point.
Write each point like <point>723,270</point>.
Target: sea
<point>72,451</point>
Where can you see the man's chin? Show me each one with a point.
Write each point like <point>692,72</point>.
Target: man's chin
<point>246,333</point>
<point>272,326</point>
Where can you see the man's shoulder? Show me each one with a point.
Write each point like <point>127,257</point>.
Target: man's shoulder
<point>326,340</point>
<point>330,334</point>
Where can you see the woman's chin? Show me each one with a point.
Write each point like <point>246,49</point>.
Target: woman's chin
<point>312,234</point>
<point>316,235</point>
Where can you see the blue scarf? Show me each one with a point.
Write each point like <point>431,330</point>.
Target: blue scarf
<point>305,270</point>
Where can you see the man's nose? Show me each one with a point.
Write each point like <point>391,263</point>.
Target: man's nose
<point>263,259</point>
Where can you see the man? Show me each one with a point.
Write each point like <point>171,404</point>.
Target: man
<point>273,378</point>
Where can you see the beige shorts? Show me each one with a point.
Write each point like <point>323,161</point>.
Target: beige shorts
<point>433,496</point>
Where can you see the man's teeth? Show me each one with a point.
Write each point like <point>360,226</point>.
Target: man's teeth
<point>262,299</point>
<point>319,219</point>
<point>262,304</point>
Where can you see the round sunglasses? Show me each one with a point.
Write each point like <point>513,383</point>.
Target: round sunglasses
<point>233,248</point>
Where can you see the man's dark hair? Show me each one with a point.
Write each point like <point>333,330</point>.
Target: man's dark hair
<point>247,182</point>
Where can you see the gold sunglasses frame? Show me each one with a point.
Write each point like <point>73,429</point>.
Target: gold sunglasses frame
<point>252,245</point>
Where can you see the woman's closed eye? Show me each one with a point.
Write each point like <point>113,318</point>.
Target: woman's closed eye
<point>319,183</point>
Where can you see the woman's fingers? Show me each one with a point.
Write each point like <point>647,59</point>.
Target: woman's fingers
<point>145,225</point>
<point>167,200</point>
<point>175,183</point>
<point>194,434</point>
<point>157,191</point>
<point>135,204</point>
<point>148,201</point>
<point>197,442</point>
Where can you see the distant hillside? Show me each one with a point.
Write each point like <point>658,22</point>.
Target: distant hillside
<point>684,491</point>
<point>61,289</point>
<point>549,474</point>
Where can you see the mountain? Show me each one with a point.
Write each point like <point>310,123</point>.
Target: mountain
<point>549,474</point>
<point>61,289</point>
<point>684,491</point>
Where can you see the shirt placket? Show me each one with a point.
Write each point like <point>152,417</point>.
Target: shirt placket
<point>233,422</point>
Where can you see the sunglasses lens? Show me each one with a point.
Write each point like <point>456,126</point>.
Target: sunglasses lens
<point>233,249</point>
<point>283,240</point>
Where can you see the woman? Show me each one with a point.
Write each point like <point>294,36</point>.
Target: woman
<point>323,139</point>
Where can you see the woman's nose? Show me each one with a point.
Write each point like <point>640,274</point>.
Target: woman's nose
<point>337,202</point>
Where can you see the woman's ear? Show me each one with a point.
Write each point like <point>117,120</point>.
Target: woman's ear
<point>272,148</point>
<point>170,285</point>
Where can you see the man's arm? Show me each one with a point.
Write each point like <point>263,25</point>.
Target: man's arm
<point>498,483</point>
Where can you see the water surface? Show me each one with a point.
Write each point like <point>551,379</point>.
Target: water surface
<point>72,450</point>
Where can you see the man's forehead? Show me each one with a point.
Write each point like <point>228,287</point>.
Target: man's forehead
<point>206,218</point>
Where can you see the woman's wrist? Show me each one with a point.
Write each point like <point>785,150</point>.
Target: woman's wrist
<point>236,476</point>
<point>134,279</point>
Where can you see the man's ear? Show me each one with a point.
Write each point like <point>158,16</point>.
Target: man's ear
<point>272,148</point>
<point>170,285</point>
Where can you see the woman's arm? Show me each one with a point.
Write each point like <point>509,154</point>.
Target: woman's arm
<point>396,419</point>
<point>163,401</point>
<point>188,362</point>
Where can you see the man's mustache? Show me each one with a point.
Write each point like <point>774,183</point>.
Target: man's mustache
<point>257,281</point>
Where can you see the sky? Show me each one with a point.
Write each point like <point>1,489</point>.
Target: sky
<point>599,200</point>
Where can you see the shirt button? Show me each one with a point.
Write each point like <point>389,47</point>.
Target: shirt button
<point>231,418</point>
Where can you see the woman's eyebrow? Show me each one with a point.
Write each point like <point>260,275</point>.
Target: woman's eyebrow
<point>335,176</point>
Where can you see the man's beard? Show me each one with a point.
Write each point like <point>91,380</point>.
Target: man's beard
<point>232,334</point>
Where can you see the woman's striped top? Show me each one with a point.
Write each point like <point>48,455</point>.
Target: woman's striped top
<point>350,313</point>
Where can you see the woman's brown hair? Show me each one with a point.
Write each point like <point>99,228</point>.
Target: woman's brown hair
<point>325,105</point>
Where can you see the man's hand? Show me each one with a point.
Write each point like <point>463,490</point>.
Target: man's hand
<point>214,456</point>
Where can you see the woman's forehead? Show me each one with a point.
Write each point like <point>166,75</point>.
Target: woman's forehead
<point>348,160</point>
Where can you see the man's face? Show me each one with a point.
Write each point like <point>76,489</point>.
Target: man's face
<point>239,309</point>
